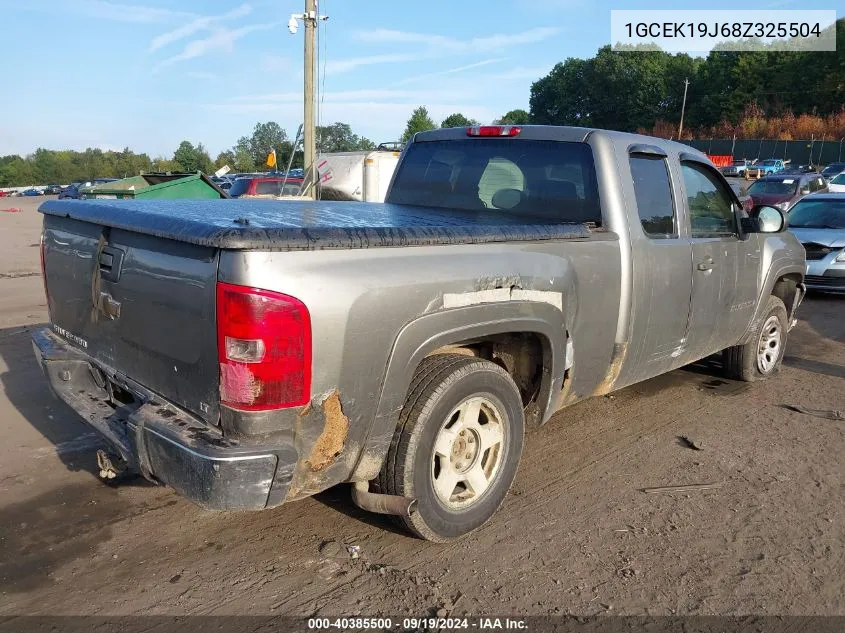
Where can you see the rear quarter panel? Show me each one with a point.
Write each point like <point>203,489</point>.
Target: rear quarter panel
<point>360,300</point>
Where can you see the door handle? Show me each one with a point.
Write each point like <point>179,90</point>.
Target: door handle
<point>111,262</point>
<point>706,265</point>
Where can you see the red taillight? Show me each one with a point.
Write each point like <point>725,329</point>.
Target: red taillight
<point>494,130</point>
<point>264,348</point>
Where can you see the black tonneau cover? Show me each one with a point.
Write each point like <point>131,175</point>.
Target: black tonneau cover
<point>295,225</point>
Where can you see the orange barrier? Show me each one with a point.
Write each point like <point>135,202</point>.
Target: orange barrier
<point>721,160</point>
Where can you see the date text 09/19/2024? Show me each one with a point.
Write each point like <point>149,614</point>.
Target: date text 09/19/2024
<point>415,624</point>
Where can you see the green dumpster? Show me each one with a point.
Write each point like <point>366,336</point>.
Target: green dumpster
<point>168,186</point>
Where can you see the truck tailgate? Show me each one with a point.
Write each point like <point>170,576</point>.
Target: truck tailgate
<point>141,306</point>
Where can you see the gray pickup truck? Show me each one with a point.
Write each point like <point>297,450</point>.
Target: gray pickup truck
<point>250,353</point>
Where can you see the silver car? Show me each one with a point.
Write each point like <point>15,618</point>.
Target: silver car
<point>818,221</point>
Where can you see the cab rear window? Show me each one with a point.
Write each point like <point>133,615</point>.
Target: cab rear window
<point>547,181</point>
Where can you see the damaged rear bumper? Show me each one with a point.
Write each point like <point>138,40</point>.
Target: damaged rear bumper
<point>163,442</point>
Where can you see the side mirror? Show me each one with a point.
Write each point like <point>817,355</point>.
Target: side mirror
<point>805,191</point>
<point>769,219</point>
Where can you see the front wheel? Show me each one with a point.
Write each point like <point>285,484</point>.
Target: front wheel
<point>762,355</point>
<point>457,445</point>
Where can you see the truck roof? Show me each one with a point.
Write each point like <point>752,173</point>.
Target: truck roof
<point>287,225</point>
<point>564,133</point>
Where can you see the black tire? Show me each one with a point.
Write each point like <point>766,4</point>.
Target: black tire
<point>743,362</point>
<point>441,383</point>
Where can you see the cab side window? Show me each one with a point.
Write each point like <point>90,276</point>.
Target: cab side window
<point>654,196</point>
<point>711,208</point>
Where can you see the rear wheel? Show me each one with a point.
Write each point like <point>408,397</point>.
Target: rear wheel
<point>762,355</point>
<point>457,445</point>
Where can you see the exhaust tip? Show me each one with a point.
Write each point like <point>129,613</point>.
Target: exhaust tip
<point>381,504</point>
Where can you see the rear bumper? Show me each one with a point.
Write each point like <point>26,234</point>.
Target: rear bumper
<point>163,442</point>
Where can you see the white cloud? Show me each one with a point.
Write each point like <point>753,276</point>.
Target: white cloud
<point>447,45</point>
<point>433,46</point>
<point>220,39</point>
<point>554,4</point>
<point>345,65</point>
<point>382,95</point>
<point>103,10</point>
<point>450,71</point>
<point>496,42</point>
<point>521,72</point>
<point>391,36</point>
<point>205,76</point>
<point>197,25</point>
<point>275,64</point>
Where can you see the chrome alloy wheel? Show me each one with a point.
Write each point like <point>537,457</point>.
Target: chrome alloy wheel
<point>468,452</point>
<point>768,349</point>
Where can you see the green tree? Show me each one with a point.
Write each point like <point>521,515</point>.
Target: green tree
<point>226,157</point>
<point>515,117</point>
<point>458,120</point>
<point>185,156</point>
<point>15,172</point>
<point>163,164</point>
<point>243,155</point>
<point>267,137</point>
<point>420,121</point>
<point>636,89</point>
<point>561,97</point>
<point>190,158</point>
<point>339,137</point>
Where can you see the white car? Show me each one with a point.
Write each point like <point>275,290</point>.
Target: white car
<point>837,185</point>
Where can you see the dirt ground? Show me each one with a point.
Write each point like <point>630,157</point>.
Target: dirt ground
<point>575,536</point>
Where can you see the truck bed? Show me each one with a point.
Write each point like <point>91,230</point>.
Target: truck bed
<point>293,225</point>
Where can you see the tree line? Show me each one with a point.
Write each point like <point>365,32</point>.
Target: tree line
<point>249,154</point>
<point>750,94</point>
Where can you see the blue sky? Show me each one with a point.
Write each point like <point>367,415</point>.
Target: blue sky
<point>149,73</point>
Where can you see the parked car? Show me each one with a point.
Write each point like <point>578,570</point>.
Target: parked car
<point>831,171</point>
<point>510,272</point>
<point>799,169</point>
<point>76,190</point>
<point>265,186</point>
<point>819,223</point>
<point>784,190</point>
<point>6,193</point>
<point>32,191</point>
<point>736,168</point>
<point>52,190</point>
<point>837,184</point>
<point>71,191</point>
<point>765,168</point>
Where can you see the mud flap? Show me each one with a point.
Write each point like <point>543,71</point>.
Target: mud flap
<point>142,451</point>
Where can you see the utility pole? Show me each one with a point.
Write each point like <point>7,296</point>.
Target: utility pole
<point>683,108</point>
<point>309,120</point>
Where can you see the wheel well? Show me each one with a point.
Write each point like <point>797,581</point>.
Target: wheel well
<point>785,289</point>
<point>526,356</point>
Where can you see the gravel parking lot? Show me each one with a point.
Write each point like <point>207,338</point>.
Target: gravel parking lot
<point>575,536</point>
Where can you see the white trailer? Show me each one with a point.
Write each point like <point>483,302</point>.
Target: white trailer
<point>364,175</point>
